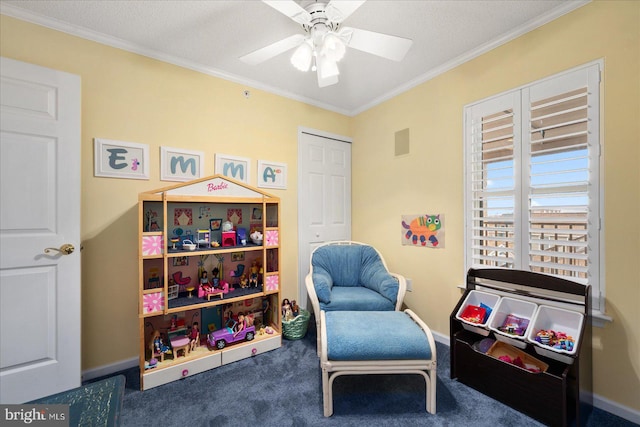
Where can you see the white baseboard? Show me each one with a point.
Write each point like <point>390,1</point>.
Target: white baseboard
<point>104,370</point>
<point>441,338</point>
<point>616,409</point>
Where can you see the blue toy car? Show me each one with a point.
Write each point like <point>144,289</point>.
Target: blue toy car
<point>230,334</point>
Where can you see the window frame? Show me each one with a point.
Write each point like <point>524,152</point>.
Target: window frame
<point>521,114</point>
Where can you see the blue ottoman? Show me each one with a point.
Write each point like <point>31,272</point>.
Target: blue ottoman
<point>375,342</point>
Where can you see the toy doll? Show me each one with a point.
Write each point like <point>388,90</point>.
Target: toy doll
<point>157,345</point>
<point>295,308</point>
<point>204,282</point>
<point>253,280</point>
<point>256,273</point>
<point>239,327</point>
<point>286,310</point>
<point>216,279</point>
<point>194,337</point>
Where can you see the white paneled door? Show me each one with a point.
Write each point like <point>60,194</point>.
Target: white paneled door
<point>324,195</point>
<point>39,231</point>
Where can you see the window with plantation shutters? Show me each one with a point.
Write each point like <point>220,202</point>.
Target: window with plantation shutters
<point>532,179</point>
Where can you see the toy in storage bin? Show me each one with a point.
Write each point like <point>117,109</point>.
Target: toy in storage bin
<point>474,301</point>
<point>560,321</point>
<point>296,328</point>
<point>510,320</point>
<point>499,349</point>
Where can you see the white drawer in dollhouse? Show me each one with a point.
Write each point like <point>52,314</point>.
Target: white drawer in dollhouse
<point>251,348</point>
<point>182,370</point>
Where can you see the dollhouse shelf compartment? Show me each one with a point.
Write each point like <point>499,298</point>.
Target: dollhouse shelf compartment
<point>169,279</point>
<point>553,396</point>
<point>191,303</point>
<point>212,250</point>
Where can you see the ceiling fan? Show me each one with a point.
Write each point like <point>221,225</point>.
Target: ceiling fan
<point>325,40</point>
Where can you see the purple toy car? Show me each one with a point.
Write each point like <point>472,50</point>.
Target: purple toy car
<point>230,334</point>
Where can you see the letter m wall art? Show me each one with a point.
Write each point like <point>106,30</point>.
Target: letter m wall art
<point>177,164</point>
<point>233,167</point>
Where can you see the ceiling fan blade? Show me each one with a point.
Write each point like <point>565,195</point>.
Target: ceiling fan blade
<point>384,45</point>
<point>339,10</point>
<point>258,56</point>
<point>291,9</point>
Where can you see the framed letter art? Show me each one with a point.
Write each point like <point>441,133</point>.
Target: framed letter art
<point>233,167</point>
<point>119,159</point>
<point>177,164</point>
<point>272,174</point>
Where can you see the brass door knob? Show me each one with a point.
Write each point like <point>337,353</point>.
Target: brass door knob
<point>65,249</point>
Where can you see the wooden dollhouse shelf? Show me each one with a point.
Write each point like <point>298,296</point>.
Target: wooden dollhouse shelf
<point>170,280</point>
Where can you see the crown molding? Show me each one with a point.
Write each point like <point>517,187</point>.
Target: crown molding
<point>480,50</point>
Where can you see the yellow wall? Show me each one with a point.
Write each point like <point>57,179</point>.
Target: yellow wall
<point>430,179</point>
<point>132,98</point>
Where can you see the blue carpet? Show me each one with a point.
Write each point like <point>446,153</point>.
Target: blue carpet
<point>283,388</point>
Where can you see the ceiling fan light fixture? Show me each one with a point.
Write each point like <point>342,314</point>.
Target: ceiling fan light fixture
<point>302,56</point>
<point>333,47</point>
<point>326,40</point>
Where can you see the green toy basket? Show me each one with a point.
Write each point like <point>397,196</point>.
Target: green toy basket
<point>296,328</point>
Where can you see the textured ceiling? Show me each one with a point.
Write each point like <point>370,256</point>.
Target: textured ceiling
<point>210,36</point>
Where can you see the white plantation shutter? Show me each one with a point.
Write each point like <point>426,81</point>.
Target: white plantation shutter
<point>532,179</point>
<point>494,126</point>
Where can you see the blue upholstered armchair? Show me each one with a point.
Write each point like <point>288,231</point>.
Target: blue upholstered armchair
<point>352,276</point>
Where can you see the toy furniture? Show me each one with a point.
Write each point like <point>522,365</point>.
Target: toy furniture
<point>238,271</point>
<point>228,238</point>
<point>551,396</point>
<point>380,342</point>
<point>180,344</point>
<point>173,291</point>
<point>346,275</point>
<point>204,236</point>
<point>241,236</point>
<point>214,292</point>
<point>157,354</point>
<point>179,280</point>
<point>179,269</point>
<point>154,278</point>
